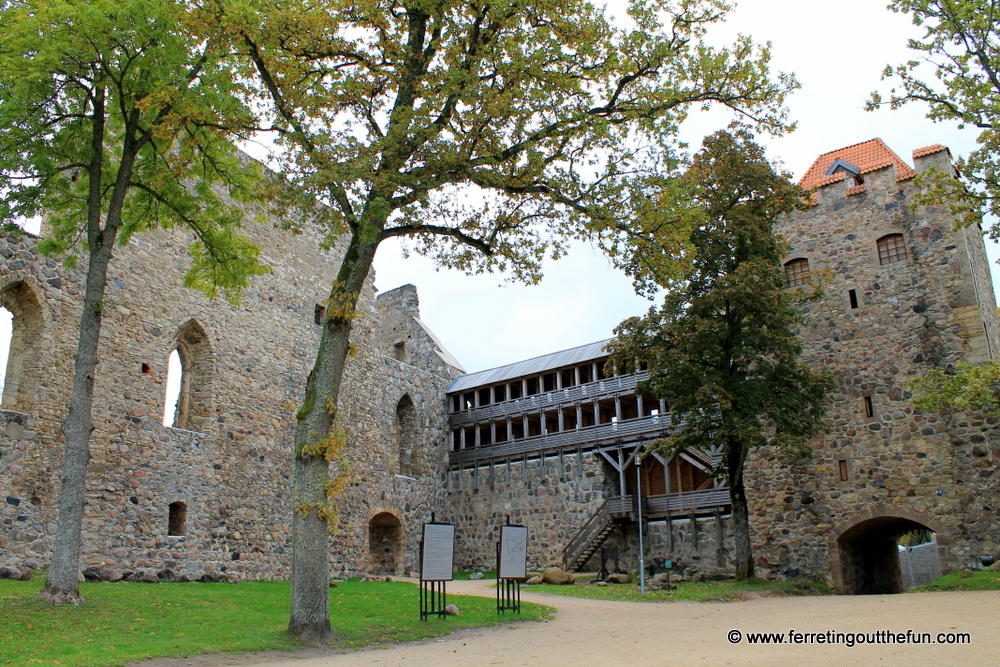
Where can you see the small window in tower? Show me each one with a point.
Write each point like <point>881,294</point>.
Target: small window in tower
<point>891,249</point>
<point>869,408</point>
<point>852,296</point>
<point>319,313</point>
<point>797,272</point>
<point>843,471</point>
<point>177,520</point>
<point>399,351</point>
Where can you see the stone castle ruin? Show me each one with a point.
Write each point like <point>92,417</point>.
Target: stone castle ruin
<point>552,442</point>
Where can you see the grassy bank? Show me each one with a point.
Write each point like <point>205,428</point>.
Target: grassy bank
<point>121,622</point>
<point>981,580</point>
<point>707,591</point>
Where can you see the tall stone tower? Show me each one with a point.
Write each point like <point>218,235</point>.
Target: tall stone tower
<point>904,292</point>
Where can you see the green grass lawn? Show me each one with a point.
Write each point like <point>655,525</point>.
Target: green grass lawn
<point>982,580</point>
<point>708,591</point>
<point>121,622</point>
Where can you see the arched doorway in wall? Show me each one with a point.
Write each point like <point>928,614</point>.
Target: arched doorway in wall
<point>385,543</point>
<point>865,553</point>
<point>23,333</point>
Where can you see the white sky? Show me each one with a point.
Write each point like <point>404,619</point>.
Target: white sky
<point>837,51</point>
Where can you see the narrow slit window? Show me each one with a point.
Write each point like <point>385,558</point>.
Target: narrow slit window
<point>177,521</point>
<point>869,408</point>
<point>852,296</point>
<point>399,351</point>
<point>843,471</point>
<point>891,249</point>
<point>797,272</point>
<point>319,313</point>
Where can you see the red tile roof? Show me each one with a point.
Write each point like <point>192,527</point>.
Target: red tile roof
<point>866,156</point>
<point>927,150</point>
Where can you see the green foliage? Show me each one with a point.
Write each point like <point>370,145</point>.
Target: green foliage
<point>722,350</point>
<point>962,44</point>
<point>968,387</point>
<point>124,622</point>
<point>116,117</point>
<point>489,133</point>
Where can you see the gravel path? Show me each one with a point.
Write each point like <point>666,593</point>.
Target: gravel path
<point>587,633</point>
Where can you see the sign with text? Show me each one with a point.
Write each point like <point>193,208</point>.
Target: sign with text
<point>438,552</point>
<point>513,552</point>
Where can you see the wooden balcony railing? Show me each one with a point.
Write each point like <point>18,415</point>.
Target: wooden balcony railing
<point>585,439</point>
<point>620,384</point>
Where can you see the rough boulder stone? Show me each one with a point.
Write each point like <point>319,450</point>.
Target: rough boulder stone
<point>475,575</point>
<point>619,578</point>
<point>143,577</point>
<point>537,579</point>
<point>108,574</point>
<point>452,610</point>
<point>555,575</point>
<point>92,574</point>
<point>212,578</point>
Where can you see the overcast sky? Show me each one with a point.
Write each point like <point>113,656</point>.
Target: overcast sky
<point>838,52</point>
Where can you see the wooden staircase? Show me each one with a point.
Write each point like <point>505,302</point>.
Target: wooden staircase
<point>588,539</point>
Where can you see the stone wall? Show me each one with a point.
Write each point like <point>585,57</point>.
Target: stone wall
<point>247,363</point>
<point>931,310</point>
<point>552,503</point>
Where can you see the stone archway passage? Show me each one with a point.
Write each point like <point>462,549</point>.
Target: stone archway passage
<point>385,543</point>
<point>869,555</point>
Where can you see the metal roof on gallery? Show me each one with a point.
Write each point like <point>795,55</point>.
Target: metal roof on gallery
<point>534,366</point>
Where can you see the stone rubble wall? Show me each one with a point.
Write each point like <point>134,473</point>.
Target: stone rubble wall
<point>914,315</point>
<point>684,543</point>
<point>552,506</point>
<point>232,475</point>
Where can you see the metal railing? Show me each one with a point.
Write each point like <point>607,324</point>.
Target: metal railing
<point>570,395</point>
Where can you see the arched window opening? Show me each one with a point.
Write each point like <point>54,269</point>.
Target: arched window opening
<point>175,412</point>
<point>177,521</point>
<point>891,249</point>
<point>797,272</point>
<point>21,324</point>
<point>406,432</point>
<point>188,400</point>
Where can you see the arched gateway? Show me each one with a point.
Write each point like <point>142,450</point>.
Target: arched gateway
<point>385,543</point>
<point>864,555</point>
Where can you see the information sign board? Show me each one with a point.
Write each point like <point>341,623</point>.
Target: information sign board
<point>513,552</point>
<point>438,552</point>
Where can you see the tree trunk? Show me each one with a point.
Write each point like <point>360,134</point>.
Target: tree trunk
<point>62,584</point>
<point>310,610</point>
<point>741,529</point>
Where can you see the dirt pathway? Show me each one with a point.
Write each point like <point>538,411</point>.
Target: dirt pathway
<point>587,633</point>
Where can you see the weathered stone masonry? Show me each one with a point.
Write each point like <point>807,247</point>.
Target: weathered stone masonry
<point>547,442</point>
<point>246,366</point>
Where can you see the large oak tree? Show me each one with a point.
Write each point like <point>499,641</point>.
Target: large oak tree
<point>722,351</point>
<point>112,121</point>
<point>485,132</point>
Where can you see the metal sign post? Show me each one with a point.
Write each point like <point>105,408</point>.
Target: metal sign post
<point>512,557</point>
<point>638,494</point>
<point>437,551</point>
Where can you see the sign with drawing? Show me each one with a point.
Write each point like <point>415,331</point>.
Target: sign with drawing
<point>437,552</point>
<point>513,552</point>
